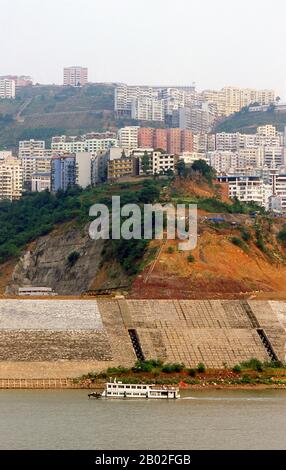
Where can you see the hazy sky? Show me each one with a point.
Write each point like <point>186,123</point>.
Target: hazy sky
<point>210,42</point>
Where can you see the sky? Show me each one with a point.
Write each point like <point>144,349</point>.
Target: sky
<point>211,43</point>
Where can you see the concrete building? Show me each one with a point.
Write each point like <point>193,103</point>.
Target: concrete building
<point>148,109</point>
<point>5,153</point>
<point>273,157</point>
<point>173,140</point>
<point>278,182</point>
<point>91,142</point>
<point>20,80</point>
<point>75,76</point>
<point>128,137</point>
<point>71,169</point>
<point>7,89</point>
<point>159,163</point>
<point>121,167</point>
<point>222,162</point>
<point>41,182</point>
<point>63,172</point>
<point>231,100</point>
<point>83,169</point>
<point>11,178</point>
<point>248,189</point>
<point>190,157</point>
<point>35,158</point>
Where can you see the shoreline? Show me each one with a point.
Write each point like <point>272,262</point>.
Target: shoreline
<point>69,384</point>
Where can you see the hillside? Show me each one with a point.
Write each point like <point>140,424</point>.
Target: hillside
<point>247,122</point>
<point>43,111</point>
<point>44,241</point>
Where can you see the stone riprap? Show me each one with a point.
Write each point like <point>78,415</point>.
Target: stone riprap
<point>64,338</point>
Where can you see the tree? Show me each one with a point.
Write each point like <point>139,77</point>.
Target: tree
<point>145,162</point>
<point>181,169</point>
<point>200,166</point>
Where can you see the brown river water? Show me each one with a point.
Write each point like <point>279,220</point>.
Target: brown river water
<point>66,419</point>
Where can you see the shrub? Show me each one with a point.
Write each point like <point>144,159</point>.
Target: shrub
<point>236,369</point>
<point>253,364</point>
<point>191,259</point>
<point>171,249</point>
<point>201,368</point>
<point>147,366</point>
<point>192,372</point>
<point>73,257</point>
<point>171,368</point>
<point>246,379</point>
<point>282,235</point>
<point>246,236</point>
<point>117,370</point>
<point>238,242</point>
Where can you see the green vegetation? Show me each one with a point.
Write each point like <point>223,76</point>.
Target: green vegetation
<point>240,243</point>
<point>198,167</point>
<point>201,368</point>
<point>282,235</point>
<point>73,257</point>
<point>36,214</point>
<point>171,249</point>
<point>191,259</point>
<point>192,372</point>
<point>247,122</point>
<point>250,372</point>
<point>172,368</point>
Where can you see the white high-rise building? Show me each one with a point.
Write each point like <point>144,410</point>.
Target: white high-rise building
<point>128,137</point>
<point>92,142</point>
<point>35,158</point>
<point>75,76</point>
<point>11,178</point>
<point>7,88</point>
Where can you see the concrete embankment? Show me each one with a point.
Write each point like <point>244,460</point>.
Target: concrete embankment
<point>53,339</point>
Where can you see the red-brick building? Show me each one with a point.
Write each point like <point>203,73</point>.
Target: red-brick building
<point>173,141</point>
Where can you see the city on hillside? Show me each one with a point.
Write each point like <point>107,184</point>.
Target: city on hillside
<point>173,124</point>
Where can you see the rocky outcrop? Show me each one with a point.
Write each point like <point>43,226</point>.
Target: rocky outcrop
<point>46,262</point>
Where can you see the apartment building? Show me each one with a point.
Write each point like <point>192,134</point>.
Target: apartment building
<point>159,162</point>
<point>190,157</point>
<point>91,142</point>
<point>274,157</point>
<point>148,109</point>
<point>20,80</point>
<point>7,89</point>
<point>11,178</point>
<point>278,182</point>
<point>197,119</point>
<point>248,189</point>
<point>121,167</point>
<point>4,154</point>
<point>128,137</point>
<point>173,140</point>
<point>63,172</point>
<point>231,100</point>
<point>71,169</point>
<point>223,161</point>
<point>75,76</point>
<point>41,182</point>
<point>35,158</point>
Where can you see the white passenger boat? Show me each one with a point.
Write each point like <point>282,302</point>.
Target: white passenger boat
<point>119,390</point>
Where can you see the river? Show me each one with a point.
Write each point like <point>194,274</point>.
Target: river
<point>201,420</point>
